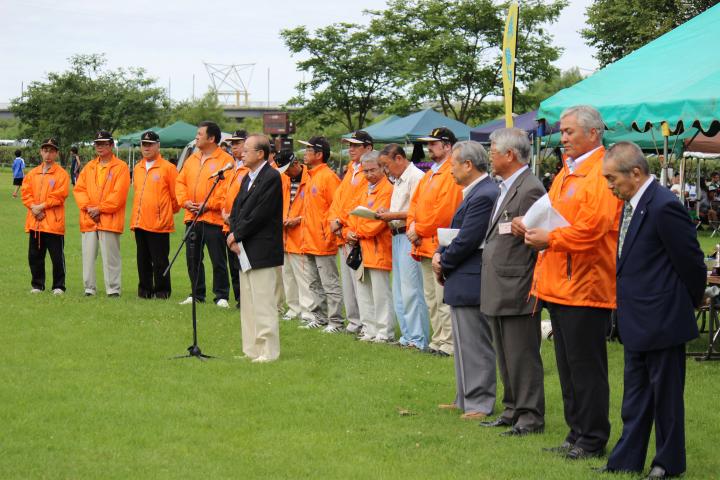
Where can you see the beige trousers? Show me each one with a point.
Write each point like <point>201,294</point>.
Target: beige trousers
<point>297,287</point>
<point>260,327</point>
<point>109,244</point>
<point>440,319</point>
<point>374,298</point>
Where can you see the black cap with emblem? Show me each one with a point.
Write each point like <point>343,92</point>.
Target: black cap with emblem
<point>50,142</point>
<point>103,136</point>
<point>440,134</point>
<point>150,137</point>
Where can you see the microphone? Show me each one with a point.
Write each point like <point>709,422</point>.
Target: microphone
<point>223,169</point>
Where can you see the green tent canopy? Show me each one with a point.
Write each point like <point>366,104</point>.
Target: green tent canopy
<point>675,78</point>
<point>376,128</point>
<point>134,138</point>
<point>416,125</point>
<point>650,141</point>
<point>177,135</point>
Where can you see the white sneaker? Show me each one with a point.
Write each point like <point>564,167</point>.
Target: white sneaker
<point>332,329</point>
<point>58,291</point>
<point>35,290</point>
<point>353,328</point>
<point>312,325</point>
<point>366,338</point>
<point>187,301</point>
<point>222,303</point>
<point>261,359</point>
<point>380,339</point>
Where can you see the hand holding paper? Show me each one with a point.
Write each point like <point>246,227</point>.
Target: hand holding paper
<point>364,212</point>
<point>542,215</point>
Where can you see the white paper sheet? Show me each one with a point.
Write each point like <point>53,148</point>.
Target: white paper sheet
<point>364,212</point>
<point>542,215</point>
<point>244,260</point>
<point>446,235</point>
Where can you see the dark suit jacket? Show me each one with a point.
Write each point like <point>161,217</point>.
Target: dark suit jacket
<point>661,274</point>
<point>461,260</point>
<point>256,218</point>
<point>508,263</point>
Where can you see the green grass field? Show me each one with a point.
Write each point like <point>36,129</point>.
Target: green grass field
<point>88,391</point>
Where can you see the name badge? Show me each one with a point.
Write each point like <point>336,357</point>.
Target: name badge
<point>505,228</point>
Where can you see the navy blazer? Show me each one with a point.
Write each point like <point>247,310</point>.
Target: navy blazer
<point>256,218</point>
<point>462,260</point>
<point>661,274</point>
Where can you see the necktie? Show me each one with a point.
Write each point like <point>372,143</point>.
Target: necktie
<point>571,165</point>
<point>627,216</point>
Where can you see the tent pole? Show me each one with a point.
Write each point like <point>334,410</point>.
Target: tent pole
<point>666,162</point>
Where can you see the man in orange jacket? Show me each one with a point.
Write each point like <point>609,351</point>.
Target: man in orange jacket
<point>432,206</point>
<point>154,205</point>
<point>374,290</point>
<point>297,290</point>
<point>44,190</point>
<point>193,184</point>
<point>353,185</point>
<point>233,179</point>
<point>319,245</point>
<point>575,277</point>
<point>101,194</point>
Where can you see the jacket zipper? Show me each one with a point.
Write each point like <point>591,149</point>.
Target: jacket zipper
<point>569,266</point>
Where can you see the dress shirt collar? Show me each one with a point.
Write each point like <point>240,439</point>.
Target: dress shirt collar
<point>576,161</point>
<point>436,166</point>
<point>638,195</point>
<point>254,173</point>
<point>467,189</point>
<point>507,183</point>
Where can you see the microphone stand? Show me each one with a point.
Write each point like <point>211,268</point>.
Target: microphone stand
<point>194,350</point>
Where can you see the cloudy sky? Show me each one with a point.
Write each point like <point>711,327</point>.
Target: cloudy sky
<point>171,40</point>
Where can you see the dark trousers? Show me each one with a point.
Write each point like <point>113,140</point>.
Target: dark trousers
<point>581,355</point>
<point>212,236</point>
<point>40,243</point>
<point>516,340</point>
<point>234,264</point>
<point>152,260</point>
<point>654,387</point>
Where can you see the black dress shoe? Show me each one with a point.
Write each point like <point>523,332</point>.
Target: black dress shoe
<point>518,431</point>
<point>440,353</point>
<point>656,473</point>
<point>564,448</point>
<point>498,422</point>
<point>432,351</point>
<point>579,453</point>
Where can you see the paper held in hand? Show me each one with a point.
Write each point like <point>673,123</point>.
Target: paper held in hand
<point>446,235</point>
<point>244,260</point>
<point>542,215</point>
<point>364,212</point>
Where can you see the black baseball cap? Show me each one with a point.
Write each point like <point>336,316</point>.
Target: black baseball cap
<point>440,134</point>
<point>317,143</point>
<point>149,137</point>
<point>237,135</point>
<point>50,142</point>
<point>359,137</point>
<point>103,136</point>
<point>284,159</point>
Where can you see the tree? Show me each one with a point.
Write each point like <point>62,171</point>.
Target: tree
<point>529,99</point>
<point>449,52</point>
<point>75,104</point>
<point>619,27</point>
<point>350,74</point>
<point>204,108</point>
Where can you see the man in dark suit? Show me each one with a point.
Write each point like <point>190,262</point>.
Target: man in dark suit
<point>256,236</point>
<point>458,267</point>
<point>661,278</point>
<point>507,271</point>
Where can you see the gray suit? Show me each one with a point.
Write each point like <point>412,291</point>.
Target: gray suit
<point>507,272</point>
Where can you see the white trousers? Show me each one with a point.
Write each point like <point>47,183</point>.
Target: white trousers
<point>109,243</point>
<point>349,287</point>
<point>376,304</point>
<point>259,324</point>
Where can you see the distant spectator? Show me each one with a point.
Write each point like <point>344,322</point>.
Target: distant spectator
<point>714,180</point>
<point>75,164</point>
<point>18,172</point>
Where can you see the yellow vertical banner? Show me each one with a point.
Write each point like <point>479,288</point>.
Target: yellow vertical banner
<point>508,60</point>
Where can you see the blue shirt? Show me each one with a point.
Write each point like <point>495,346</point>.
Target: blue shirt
<point>18,166</point>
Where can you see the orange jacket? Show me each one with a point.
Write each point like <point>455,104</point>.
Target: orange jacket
<point>317,239</point>
<point>432,206</point>
<point>375,237</point>
<point>232,182</point>
<point>347,196</point>
<point>194,183</point>
<point>154,202</point>
<point>293,235</point>
<point>110,195</point>
<point>578,267</point>
<point>50,188</point>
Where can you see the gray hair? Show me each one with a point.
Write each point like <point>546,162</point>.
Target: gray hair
<point>474,152</point>
<point>627,155</point>
<point>373,156</point>
<point>512,139</point>
<point>587,117</point>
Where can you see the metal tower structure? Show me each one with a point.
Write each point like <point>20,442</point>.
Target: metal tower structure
<point>229,84</point>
